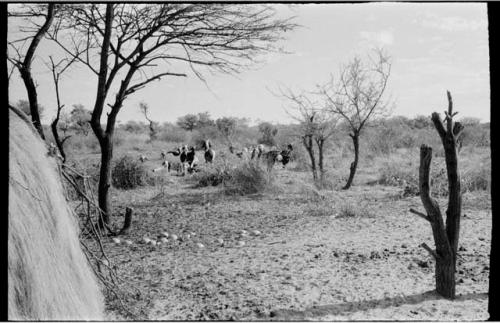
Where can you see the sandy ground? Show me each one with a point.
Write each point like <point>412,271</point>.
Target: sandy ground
<point>308,263</point>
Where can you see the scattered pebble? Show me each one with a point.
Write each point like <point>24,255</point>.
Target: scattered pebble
<point>128,242</point>
<point>164,240</point>
<point>220,241</point>
<point>146,240</point>
<point>200,245</point>
<point>165,234</point>
<point>153,242</point>
<point>174,237</point>
<point>116,240</point>
<point>241,243</point>
<point>256,232</point>
<point>188,236</point>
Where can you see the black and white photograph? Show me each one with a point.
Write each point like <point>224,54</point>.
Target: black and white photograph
<point>249,161</point>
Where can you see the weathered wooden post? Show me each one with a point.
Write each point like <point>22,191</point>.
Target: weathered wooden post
<point>445,236</point>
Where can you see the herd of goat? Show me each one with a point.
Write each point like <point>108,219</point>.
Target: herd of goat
<point>189,160</point>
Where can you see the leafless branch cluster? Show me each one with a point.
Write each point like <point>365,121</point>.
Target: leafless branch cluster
<point>87,212</point>
<point>358,94</point>
<point>317,125</point>
<point>220,37</point>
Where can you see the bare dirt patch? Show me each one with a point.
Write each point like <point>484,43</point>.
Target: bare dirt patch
<point>308,262</point>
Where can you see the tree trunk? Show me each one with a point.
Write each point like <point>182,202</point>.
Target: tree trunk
<point>308,144</point>
<point>445,277</point>
<point>152,131</point>
<point>445,237</point>
<point>449,140</point>
<point>445,254</point>
<point>105,181</point>
<point>128,221</point>
<point>105,140</point>
<point>354,164</point>
<point>25,69</point>
<point>59,143</point>
<point>33,99</point>
<point>320,143</point>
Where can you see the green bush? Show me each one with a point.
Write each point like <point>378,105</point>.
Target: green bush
<point>129,173</point>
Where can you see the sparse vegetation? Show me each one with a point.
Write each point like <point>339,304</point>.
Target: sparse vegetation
<point>354,210</point>
<point>243,231</point>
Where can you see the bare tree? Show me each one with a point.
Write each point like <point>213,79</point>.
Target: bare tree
<point>152,124</point>
<point>57,70</point>
<point>358,96</point>
<point>316,126</point>
<point>23,61</point>
<point>132,39</point>
<point>445,236</point>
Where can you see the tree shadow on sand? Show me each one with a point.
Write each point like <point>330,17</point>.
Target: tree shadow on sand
<point>314,312</point>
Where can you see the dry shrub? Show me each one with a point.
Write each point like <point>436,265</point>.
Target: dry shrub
<point>357,210</point>
<point>49,276</point>
<point>248,177</point>
<point>319,206</point>
<point>475,173</point>
<point>129,173</point>
<point>330,180</point>
<point>397,171</point>
<point>211,176</point>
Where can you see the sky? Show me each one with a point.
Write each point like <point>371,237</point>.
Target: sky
<point>435,47</point>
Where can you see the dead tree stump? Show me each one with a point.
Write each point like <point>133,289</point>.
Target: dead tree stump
<point>445,236</point>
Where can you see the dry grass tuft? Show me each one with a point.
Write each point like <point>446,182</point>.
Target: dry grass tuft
<point>358,210</point>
